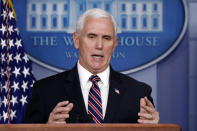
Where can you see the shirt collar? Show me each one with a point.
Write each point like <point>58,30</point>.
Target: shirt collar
<point>84,75</point>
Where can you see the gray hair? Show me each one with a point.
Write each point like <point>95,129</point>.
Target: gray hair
<point>94,13</point>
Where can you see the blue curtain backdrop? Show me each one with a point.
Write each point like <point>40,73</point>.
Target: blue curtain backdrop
<point>173,86</point>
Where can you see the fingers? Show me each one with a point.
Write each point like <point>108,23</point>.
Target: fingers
<point>148,109</point>
<point>147,121</point>
<point>149,118</point>
<point>148,102</point>
<point>145,116</point>
<point>142,104</point>
<point>60,117</point>
<point>63,107</point>
<point>148,113</point>
<point>146,105</point>
<point>60,112</point>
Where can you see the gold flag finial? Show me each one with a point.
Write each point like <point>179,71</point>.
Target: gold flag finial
<point>11,6</point>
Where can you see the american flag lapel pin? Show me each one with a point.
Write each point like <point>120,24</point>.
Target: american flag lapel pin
<point>117,91</point>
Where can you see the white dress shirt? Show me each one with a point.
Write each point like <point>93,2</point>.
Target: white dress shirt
<point>86,84</point>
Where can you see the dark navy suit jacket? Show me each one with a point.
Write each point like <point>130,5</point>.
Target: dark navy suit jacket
<point>122,107</point>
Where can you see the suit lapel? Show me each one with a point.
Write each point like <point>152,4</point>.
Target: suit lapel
<point>114,97</point>
<point>74,93</point>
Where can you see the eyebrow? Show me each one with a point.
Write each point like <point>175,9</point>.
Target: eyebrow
<point>92,34</point>
<point>89,34</point>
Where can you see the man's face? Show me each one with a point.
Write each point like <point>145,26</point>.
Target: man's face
<point>96,44</point>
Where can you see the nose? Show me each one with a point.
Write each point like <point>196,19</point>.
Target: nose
<point>99,44</point>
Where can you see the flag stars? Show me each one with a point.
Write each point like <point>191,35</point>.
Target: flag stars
<point>10,29</point>
<point>4,14</point>
<point>25,58</point>
<point>11,44</point>
<point>2,58</point>
<point>14,100</point>
<point>5,87</point>
<point>2,73</point>
<point>17,31</point>
<point>5,116</point>
<point>18,43</point>
<point>3,44</point>
<point>10,57</point>
<point>15,86</point>
<point>4,1</point>
<point>24,86</point>
<point>23,100</point>
<point>13,114</point>
<point>5,101</point>
<point>17,58</point>
<point>3,29</point>
<point>26,72</point>
<point>32,84</point>
<point>16,71</point>
<point>11,15</point>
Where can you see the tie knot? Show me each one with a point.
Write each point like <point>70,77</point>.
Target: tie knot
<point>95,78</point>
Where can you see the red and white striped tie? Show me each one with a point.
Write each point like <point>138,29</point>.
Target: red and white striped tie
<point>94,101</point>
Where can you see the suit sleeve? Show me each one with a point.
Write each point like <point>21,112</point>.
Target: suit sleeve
<point>35,108</point>
<point>148,93</point>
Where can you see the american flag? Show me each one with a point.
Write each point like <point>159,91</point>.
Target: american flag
<point>16,78</point>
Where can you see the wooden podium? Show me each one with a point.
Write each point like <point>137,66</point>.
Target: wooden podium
<point>89,127</point>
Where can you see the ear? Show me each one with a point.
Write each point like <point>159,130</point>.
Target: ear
<point>115,43</point>
<point>76,40</point>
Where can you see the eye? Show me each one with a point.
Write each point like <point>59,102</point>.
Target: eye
<point>107,37</point>
<point>91,36</point>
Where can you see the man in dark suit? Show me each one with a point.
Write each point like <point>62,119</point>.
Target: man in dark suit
<point>92,92</point>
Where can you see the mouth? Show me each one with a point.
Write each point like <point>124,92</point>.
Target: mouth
<point>97,56</point>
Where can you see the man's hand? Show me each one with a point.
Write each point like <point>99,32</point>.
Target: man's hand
<point>148,113</point>
<point>60,112</point>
